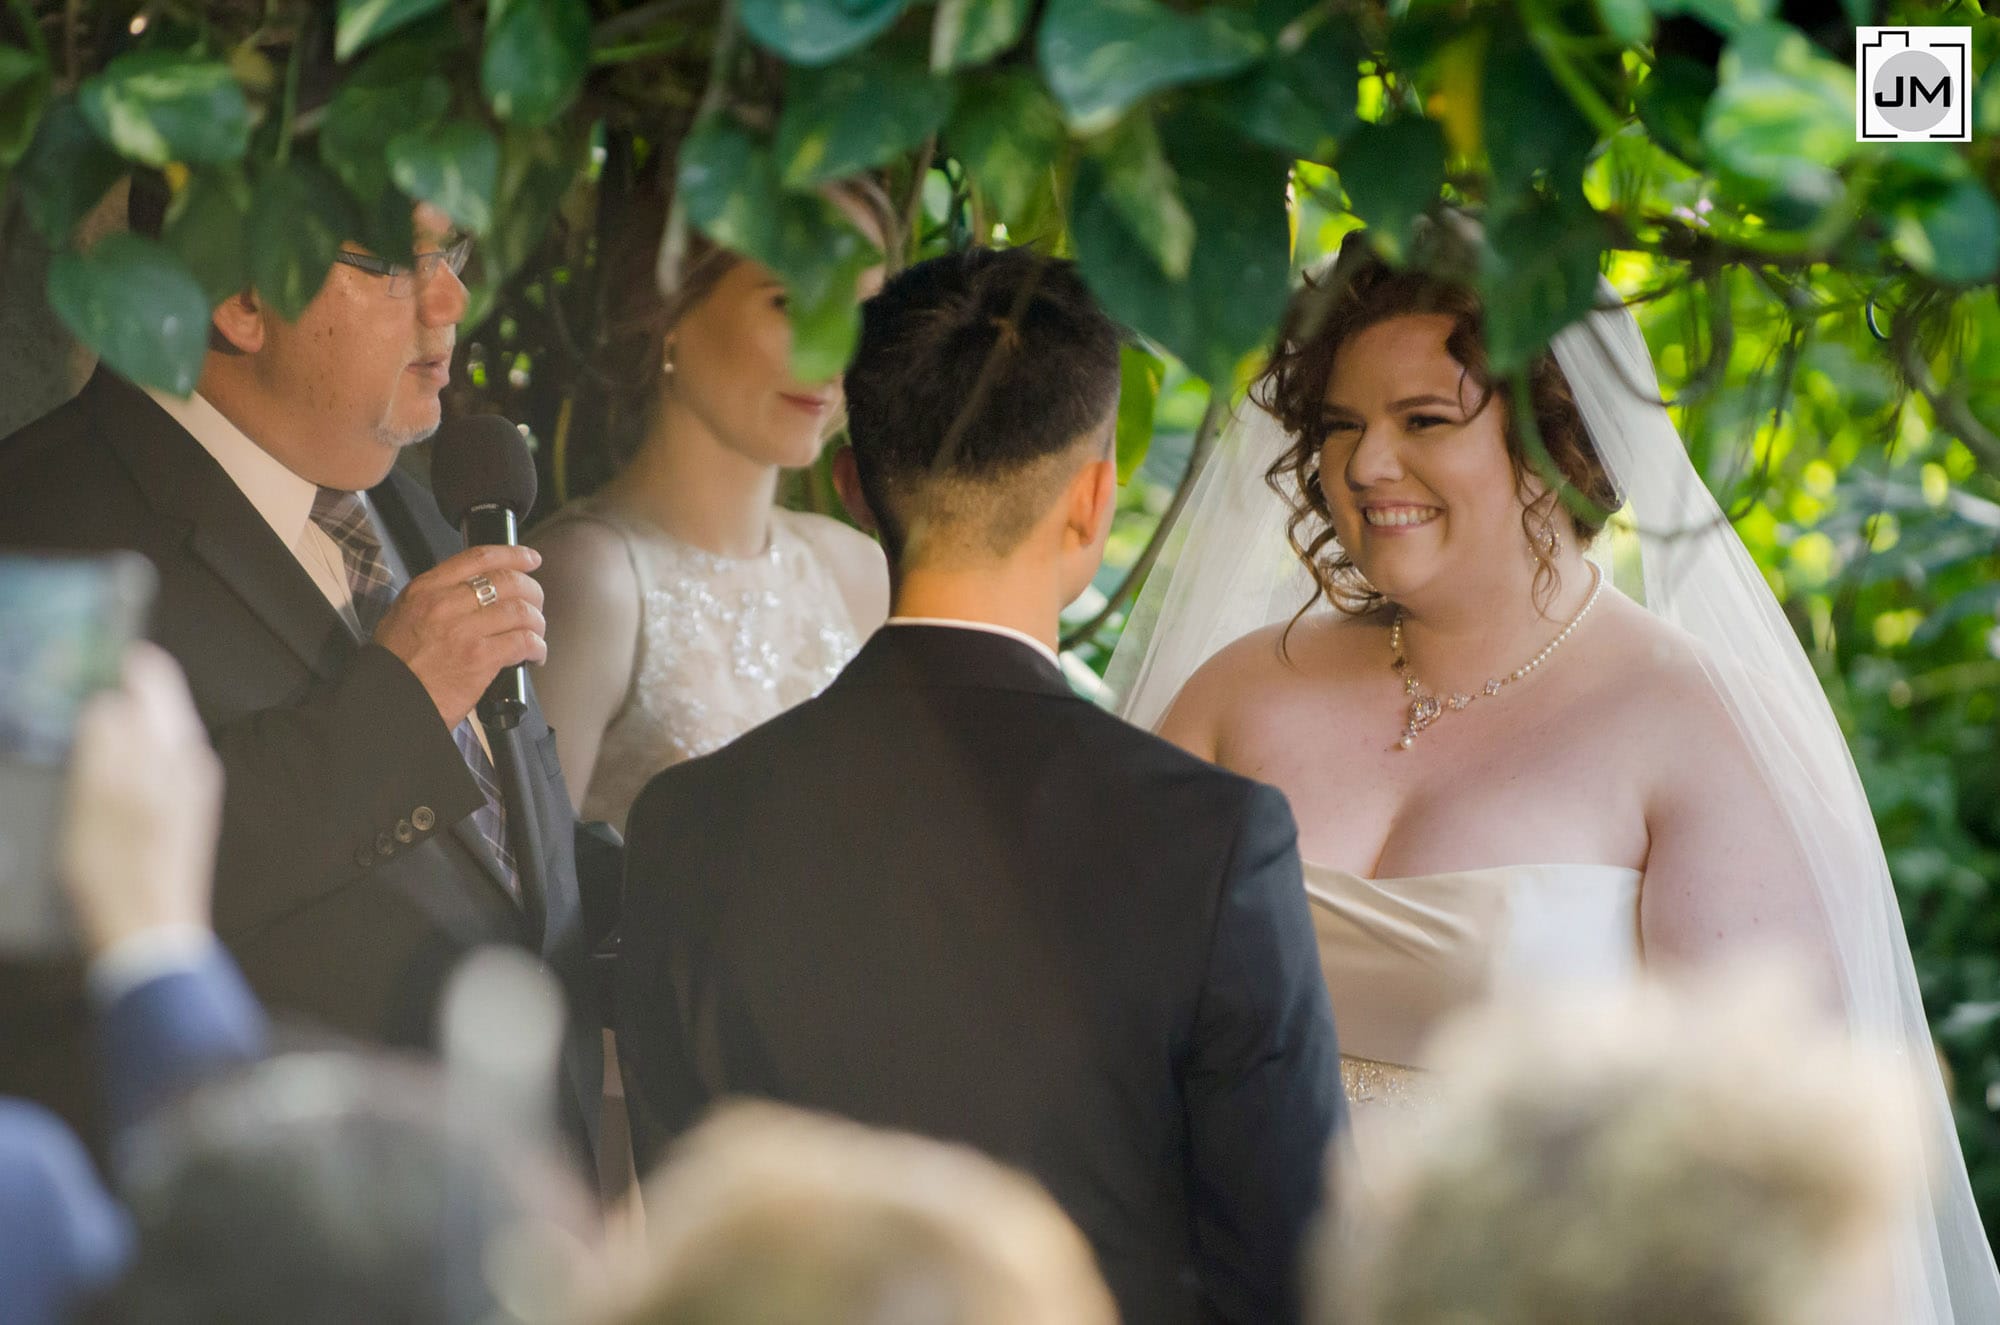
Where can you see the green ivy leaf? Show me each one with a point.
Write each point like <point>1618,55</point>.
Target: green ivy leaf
<point>1727,17</point>
<point>298,218</point>
<point>728,181</point>
<point>1953,237</point>
<point>536,169</point>
<point>130,301</point>
<point>1301,102</point>
<point>1140,186</point>
<point>855,114</point>
<point>1101,57</point>
<point>359,22</point>
<point>1628,20</point>
<point>966,33</point>
<point>161,106</point>
<point>24,90</point>
<point>1238,278</point>
<point>208,229</point>
<point>1392,174</point>
<point>1783,118</point>
<point>456,168</point>
<point>1537,275</point>
<point>536,54</point>
<point>1009,136</point>
<point>397,90</point>
<point>1672,103</point>
<point>1529,124</point>
<point>816,32</point>
<point>1139,377</point>
<point>66,171</point>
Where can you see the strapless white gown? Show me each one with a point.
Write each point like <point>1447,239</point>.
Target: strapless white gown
<point>1402,955</point>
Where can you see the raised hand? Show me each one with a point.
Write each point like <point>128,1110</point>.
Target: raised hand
<point>145,804</point>
<point>460,622</point>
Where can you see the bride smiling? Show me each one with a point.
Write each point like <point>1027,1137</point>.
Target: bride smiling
<point>1505,771</point>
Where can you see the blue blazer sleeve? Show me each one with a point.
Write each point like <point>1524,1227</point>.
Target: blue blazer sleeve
<point>1263,1087</point>
<point>61,1234</point>
<point>171,1032</point>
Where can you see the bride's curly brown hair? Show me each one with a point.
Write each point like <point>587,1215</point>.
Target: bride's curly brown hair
<point>1362,291</point>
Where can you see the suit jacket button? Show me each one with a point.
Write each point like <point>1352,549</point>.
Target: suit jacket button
<point>404,833</point>
<point>424,818</point>
<point>384,845</point>
<point>364,857</point>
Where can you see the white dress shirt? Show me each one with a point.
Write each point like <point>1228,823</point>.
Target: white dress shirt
<point>990,627</point>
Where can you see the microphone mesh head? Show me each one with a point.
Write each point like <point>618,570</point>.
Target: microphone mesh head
<point>481,461</point>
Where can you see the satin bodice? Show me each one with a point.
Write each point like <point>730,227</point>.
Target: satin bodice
<point>724,644</point>
<point>1401,955</point>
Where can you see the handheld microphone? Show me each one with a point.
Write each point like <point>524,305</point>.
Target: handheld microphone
<point>484,480</point>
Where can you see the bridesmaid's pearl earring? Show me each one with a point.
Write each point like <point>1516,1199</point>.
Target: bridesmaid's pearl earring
<point>667,363</point>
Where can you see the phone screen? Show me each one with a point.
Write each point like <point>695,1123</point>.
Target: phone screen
<point>68,622</point>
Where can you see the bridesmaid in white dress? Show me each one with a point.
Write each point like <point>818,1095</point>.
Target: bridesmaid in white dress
<point>1504,771</point>
<point>684,607</point>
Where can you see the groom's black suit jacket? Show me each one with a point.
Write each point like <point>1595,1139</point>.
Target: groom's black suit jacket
<point>348,879</point>
<point>951,897</point>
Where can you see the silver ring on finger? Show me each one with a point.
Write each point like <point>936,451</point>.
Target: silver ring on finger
<point>482,589</point>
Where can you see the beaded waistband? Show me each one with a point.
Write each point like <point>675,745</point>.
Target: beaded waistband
<point>1369,1081</point>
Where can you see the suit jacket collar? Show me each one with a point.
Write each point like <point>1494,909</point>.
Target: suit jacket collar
<point>192,494</point>
<point>951,658</point>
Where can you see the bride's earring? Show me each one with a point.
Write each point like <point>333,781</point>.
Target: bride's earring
<point>1548,542</point>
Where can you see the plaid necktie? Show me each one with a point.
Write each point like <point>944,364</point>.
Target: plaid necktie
<point>374,588</point>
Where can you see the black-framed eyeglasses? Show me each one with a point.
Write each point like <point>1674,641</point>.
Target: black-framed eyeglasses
<point>406,279</point>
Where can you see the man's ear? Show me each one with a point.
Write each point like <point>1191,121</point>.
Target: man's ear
<point>847,482</point>
<point>238,323</point>
<point>1093,498</point>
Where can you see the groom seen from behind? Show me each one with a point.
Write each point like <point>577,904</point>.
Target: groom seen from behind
<point>951,897</point>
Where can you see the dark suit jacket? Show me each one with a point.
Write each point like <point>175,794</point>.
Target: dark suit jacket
<point>349,879</point>
<point>951,897</point>
<point>61,1234</point>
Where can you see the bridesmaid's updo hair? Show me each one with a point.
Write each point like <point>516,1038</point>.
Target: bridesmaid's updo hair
<point>1361,291</point>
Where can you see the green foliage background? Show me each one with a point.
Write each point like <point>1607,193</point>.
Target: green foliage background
<point>1822,310</point>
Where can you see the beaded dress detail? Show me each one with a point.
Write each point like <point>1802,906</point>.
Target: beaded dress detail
<point>725,644</point>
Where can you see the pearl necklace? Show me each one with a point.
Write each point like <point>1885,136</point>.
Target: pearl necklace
<point>1426,708</point>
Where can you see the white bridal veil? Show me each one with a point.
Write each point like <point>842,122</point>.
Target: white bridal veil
<point>1227,569</point>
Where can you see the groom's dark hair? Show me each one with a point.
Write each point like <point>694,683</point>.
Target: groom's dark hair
<point>977,376</point>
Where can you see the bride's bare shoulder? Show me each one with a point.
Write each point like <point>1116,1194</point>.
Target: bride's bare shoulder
<point>1666,680</point>
<point>1263,668</point>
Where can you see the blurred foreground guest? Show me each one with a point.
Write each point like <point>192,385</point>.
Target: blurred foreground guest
<point>948,895</point>
<point>336,1189</point>
<point>1665,1157</point>
<point>771,1216</point>
<point>138,851</point>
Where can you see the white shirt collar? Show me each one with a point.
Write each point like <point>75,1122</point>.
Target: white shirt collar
<point>284,499</point>
<point>990,627</point>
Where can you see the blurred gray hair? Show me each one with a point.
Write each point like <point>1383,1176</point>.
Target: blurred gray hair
<point>1717,1153</point>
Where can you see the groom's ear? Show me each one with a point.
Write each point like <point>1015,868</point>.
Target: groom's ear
<point>1093,499</point>
<point>847,482</point>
